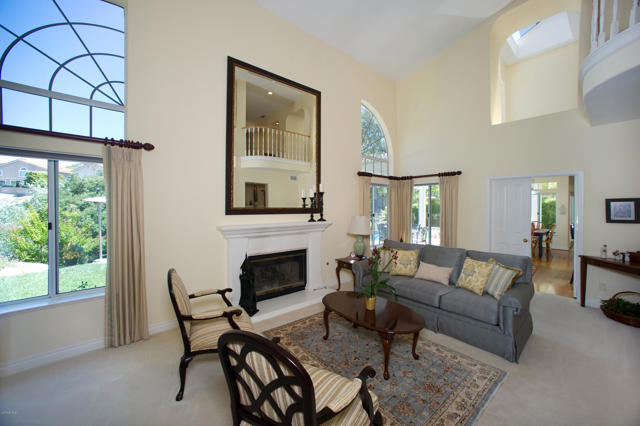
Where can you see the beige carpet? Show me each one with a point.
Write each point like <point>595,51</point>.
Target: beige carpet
<point>579,367</point>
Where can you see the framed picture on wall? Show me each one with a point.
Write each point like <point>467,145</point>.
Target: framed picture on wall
<point>622,210</point>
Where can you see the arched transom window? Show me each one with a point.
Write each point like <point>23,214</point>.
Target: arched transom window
<point>62,66</point>
<point>375,156</point>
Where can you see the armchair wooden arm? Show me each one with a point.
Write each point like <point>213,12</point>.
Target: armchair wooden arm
<point>221,292</point>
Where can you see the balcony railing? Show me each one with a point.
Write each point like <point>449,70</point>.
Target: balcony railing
<point>599,18</point>
<point>264,141</point>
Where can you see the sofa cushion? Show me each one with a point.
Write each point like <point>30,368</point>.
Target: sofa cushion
<point>521,262</point>
<point>482,308</point>
<point>429,272</point>
<point>427,292</point>
<point>474,275</point>
<point>445,256</point>
<point>405,262</point>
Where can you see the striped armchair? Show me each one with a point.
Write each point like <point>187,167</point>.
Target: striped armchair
<point>200,331</point>
<point>269,386</point>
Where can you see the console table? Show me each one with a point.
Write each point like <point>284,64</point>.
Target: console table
<point>607,263</point>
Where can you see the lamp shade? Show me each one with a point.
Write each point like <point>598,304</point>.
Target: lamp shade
<point>359,225</point>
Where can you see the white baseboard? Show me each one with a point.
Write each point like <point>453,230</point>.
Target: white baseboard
<point>44,358</point>
<point>48,357</point>
<point>161,327</point>
<point>592,303</point>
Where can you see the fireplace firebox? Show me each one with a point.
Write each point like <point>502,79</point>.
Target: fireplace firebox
<point>270,275</point>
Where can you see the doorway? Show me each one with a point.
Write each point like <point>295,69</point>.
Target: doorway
<point>518,204</point>
<point>255,195</point>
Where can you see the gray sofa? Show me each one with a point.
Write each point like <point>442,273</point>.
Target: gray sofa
<point>499,326</point>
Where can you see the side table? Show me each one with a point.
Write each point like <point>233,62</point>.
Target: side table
<point>346,263</point>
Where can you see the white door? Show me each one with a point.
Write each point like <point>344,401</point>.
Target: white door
<point>510,216</point>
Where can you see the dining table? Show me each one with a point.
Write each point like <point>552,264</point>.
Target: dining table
<point>540,233</point>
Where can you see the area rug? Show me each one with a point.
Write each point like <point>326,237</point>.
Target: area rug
<point>443,387</point>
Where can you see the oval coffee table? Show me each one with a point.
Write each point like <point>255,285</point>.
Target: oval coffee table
<point>388,319</point>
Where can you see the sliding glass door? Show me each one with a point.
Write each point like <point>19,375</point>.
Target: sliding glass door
<point>425,214</point>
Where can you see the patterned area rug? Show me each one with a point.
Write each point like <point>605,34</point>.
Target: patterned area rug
<point>443,387</point>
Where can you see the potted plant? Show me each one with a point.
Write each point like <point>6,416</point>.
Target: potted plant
<point>370,290</point>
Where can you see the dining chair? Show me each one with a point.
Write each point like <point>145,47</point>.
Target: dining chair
<point>549,239</point>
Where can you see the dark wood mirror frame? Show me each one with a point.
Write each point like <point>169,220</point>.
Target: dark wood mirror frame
<point>232,65</point>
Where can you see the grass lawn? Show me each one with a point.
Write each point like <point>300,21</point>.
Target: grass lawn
<point>77,277</point>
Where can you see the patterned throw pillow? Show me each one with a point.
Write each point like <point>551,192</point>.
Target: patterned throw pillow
<point>386,254</point>
<point>501,279</point>
<point>474,275</point>
<point>439,274</point>
<point>406,263</point>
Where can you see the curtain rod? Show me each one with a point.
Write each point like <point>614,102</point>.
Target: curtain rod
<point>126,143</point>
<point>441,174</point>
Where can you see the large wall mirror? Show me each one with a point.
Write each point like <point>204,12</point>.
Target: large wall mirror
<point>273,142</point>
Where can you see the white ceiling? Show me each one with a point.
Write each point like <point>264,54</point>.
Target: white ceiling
<point>393,37</point>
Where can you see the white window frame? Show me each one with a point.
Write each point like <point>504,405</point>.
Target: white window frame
<point>52,296</point>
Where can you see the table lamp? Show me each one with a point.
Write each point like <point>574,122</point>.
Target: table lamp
<point>359,226</point>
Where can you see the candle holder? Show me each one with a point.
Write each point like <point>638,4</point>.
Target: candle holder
<point>312,206</point>
<point>304,202</point>
<point>321,206</point>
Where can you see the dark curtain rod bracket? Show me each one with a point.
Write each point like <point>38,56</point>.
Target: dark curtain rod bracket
<point>441,174</point>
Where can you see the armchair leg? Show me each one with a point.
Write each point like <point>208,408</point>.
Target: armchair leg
<point>184,363</point>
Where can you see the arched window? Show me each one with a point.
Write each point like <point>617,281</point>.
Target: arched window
<point>22,172</point>
<point>62,67</point>
<point>375,155</point>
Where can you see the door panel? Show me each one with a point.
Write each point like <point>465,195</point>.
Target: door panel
<point>510,211</point>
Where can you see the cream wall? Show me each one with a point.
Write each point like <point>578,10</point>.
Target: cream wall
<point>543,84</point>
<point>176,99</point>
<point>443,122</point>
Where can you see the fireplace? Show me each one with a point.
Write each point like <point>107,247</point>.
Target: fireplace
<point>257,239</point>
<point>276,274</point>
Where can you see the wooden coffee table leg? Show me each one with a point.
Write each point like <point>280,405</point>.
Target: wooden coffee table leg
<point>415,341</point>
<point>326,323</point>
<point>387,340</point>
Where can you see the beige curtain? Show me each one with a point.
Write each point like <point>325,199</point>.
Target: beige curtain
<point>448,210</point>
<point>400,200</point>
<point>364,204</point>
<point>125,294</point>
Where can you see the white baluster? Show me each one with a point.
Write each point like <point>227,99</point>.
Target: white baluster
<point>614,21</point>
<point>594,26</point>
<point>633,15</point>
<point>601,34</point>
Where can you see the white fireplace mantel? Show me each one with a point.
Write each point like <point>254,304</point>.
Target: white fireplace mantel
<point>251,240</point>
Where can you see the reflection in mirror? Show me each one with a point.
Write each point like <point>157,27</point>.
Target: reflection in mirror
<point>273,142</point>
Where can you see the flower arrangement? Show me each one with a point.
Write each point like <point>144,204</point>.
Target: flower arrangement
<point>371,290</point>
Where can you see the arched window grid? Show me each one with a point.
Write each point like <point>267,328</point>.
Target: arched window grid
<point>375,144</point>
<point>107,88</point>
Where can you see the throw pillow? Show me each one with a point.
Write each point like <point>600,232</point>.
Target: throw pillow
<point>501,279</point>
<point>474,275</point>
<point>406,263</point>
<point>386,254</point>
<point>439,274</point>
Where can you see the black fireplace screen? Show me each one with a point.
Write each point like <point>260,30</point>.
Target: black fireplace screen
<point>274,274</point>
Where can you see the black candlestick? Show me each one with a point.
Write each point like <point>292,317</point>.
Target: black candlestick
<point>321,206</point>
<point>304,202</point>
<point>312,199</point>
